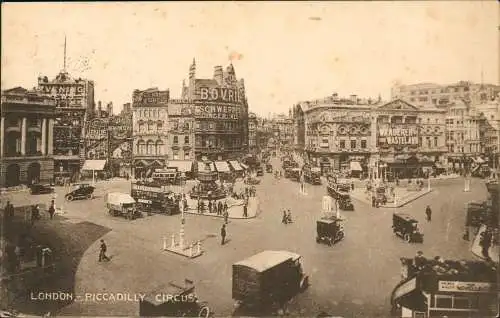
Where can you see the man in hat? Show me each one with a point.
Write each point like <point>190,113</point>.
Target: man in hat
<point>223,234</point>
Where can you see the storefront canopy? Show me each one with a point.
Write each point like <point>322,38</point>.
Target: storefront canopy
<point>236,165</point>
<point>355,166</point>
<point>96,165</point>
<point>222,166</point>
<point>181,165</point>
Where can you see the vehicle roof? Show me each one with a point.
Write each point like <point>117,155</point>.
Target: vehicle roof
<point>326,221</point>
<point>267,259</point>
<point>405,216</point>
<point>81,184</point>
<point>118,197</point>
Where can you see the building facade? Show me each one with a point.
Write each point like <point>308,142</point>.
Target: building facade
<point>490,128</point>
<point>27,121</point>
<point>74,100</point>
<point>150,130</point>
<point>428,94</point>
<point>181,130</point>
<point>220,113</point>
<point>372,138</point>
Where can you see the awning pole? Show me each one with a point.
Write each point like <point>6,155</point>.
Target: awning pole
<point>93,176</point>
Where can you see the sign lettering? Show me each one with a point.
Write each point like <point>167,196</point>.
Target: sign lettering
<point>465,287</point>
<point>221,94</point>
<point>217,111</point>
<point>147,188</point>
<point>398,135</point>
<point>144,98</point>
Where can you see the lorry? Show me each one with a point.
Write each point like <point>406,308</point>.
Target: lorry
<point>121,204</point>
<point>154,198</point>
<point>266,281</point>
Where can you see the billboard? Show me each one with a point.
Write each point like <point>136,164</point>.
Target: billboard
<point>217,112</point>
<point>390,134</point>
<point>221,94</point>
<point>150,97</point>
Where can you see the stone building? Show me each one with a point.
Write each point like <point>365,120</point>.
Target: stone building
<point>252,133</point>
<point>150,130</point>
<point>27,120</point>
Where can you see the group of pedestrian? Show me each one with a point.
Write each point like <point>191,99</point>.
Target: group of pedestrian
<point>287,217</point>
<point>277,174</point>
<point>214,206</point>
<point>250,191</point>
<point>485,240</point>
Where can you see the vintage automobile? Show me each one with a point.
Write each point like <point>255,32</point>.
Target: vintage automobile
<point>406,227</point>
<point>80,191</point>
<point>265,281</point>
<point>345,202</point>
<point>269,168</point>
<point>40,189</point>
<point>380,196</point>
<point>154,198</point>
<point>295,174</point>
<point>312,175</point>
<point>121,204</point>
<point>329,230</point>
<point>173,300</point>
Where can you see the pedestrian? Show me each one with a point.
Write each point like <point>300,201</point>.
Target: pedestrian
<point>245,211</point>
<point>428,213</point>
<point>284,220</point>
<point>352,186</point>
<point>289,216</point>
<point>102,252</point>
<point>485,242</point>
<point>51,210</point>
<point>419,261</point>
<point>226,217</point>
<point>223,234</point>
<point>225,206</point>
<point>209,206</point>
<point>373,201</point>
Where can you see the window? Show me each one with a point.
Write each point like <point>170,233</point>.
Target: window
<point>150,126</point>
<point>211,126</point>
<point>176,155</point>
<point>353,144</point>
<point>186,139</point>
<point>444,301</point>
<point>435,142</point>
<point>150,148</point>
<point>428,142</point>
<point>198,125</point>
<point>363,144</point>
<point>176,140</point>
<point>187,154</point>
<point>342,144</point>
<point>159,147</point>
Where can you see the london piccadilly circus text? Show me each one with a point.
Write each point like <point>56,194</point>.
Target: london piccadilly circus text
<point>111,297</point>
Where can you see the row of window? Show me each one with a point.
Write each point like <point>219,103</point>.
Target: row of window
<point>148,113</point>
<point>176,140</point>
<point>224,125</point>
<point>212,142</point>
<point>439,91</point>
<point>149,147</point>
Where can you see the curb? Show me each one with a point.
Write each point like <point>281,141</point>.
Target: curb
<point>399,204</point>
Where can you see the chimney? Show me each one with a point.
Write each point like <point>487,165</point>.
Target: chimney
<point>218,74</point>
<point>354,99</point>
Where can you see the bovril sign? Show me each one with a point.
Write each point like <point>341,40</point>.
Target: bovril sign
<point>221,94</point>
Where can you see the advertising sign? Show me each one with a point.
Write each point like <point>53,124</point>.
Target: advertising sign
<point>398,134</point>
<point>217,111</point>
<point>465,287</point>
<point>63,90</point>
<point>153,97</point>
<point>221,94</point>
<point>406,288</point>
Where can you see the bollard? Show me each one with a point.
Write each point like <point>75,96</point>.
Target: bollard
<point>467,185</point>
<point>172,245</point>
<point>198,247</point>
<point>181,238</point>
<point>164,243</point>
<point>429,184</point>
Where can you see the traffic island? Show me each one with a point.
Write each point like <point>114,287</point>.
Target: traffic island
<point>180,248</point>
<point>403,197</point>
<point>235,209</point>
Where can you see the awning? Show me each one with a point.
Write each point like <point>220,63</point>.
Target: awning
<point>244,166</point>
<point>96,165</point>
<point>222,166</point>
<point>202,166</point>
<point>355,166</point>
<point>181,165</point>
<point>236,165</point>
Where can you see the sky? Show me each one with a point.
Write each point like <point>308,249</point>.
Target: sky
<point>286,51</point>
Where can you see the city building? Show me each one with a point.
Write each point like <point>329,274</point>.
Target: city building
<point>150,130</point>
<point>369,137</point>
<point>220,113</point>
<point>264,134</point>
<point>181,130</point>
<point>428,94</point>
<point>252,132</point>
<point>283,131</point>
<point>74,102</point>
<point>27,120</point>
<point>490,112</point>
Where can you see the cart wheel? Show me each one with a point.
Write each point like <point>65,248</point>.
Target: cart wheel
<point>69,198</point>
<point>407,237</point>
<point>204,312</point>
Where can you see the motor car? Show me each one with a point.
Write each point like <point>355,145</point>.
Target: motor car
<point>329,230</point>
<point>122,204</point>
<point>403,225</point>
<point>40,189</point>
<point>252,181</point>
<point>80,191</point>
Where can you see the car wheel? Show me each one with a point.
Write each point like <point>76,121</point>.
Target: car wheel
<point>89,196</point>
<point>204,312</point>
<point>407,237</point>
<point>69,198</point>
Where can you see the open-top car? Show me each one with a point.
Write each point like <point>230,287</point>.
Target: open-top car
<point>40,189</point>
<point>405,226</point>
<point>80,191</point>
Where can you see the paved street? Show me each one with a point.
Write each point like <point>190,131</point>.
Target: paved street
<point>353,278</point>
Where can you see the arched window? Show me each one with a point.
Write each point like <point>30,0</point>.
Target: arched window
<point>141,147</point>
<point>176,140</point>
<point>159,147</point>
<point>150,147</point>
<point>186,139</point>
